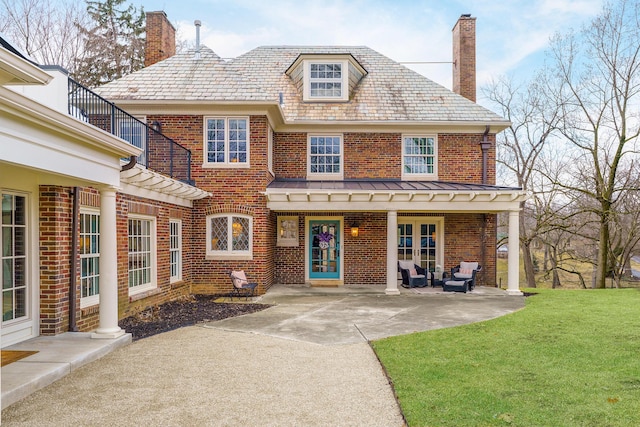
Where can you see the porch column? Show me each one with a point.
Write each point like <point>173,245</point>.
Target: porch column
<point>392,254</point>
<point>108,327</point>
<point>513,261</point>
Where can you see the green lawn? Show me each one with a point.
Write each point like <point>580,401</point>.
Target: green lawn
<point>570,358</point>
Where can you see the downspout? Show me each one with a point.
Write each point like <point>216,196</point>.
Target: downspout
<point>132,162</point>
<point>484,146</point>
<point>73,327</point>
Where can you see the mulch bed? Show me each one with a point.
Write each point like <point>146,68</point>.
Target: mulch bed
<point>186,311</point>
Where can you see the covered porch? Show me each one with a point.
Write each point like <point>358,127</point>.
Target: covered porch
<point>372,224</point>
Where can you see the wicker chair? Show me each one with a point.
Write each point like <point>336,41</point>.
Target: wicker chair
<point>463,277</point>
<point>412,275</point>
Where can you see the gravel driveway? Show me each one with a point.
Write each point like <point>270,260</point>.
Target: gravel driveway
<point>199,376</point>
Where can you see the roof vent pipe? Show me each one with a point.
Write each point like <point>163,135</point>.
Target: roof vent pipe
<point>197,23</point>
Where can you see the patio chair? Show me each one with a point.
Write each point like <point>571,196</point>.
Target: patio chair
<point>412,275</point>
<point>241,285</point>
<point>463,277</point>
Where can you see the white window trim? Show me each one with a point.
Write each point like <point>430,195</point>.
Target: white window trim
<point>420,176</point>
<point>345,80</point>
<point>226,164</point>
<point>93,299</point>
<point>153,284</point>
<point>229,254</point>
<point>325,176</point>
<point>178,277</point>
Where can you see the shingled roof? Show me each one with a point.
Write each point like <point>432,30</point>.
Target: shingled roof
<point>389,91</point>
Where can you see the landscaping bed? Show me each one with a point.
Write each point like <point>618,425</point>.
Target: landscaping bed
<point>184,312</point>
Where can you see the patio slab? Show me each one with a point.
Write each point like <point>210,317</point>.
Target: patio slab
<point>339,316</point>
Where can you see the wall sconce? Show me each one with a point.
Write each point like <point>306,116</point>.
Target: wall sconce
<point>155,125</point>
<point>355,230</point>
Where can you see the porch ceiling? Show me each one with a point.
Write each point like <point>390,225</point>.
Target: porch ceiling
<point>427,196</point>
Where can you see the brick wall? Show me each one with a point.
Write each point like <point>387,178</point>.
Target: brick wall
<point>56,208</point>
<point>471,237</point>
<point>460,158</point>
<point>236,190</point>
<point>379,155</point>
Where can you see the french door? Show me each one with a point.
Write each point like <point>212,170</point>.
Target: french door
<point>420,240</point>
<point>324,249</point>
<point>14,266</point>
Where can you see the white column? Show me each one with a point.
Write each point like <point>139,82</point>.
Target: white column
<point>108,327</point>
<point>513,262</point>
<point>392,254</point>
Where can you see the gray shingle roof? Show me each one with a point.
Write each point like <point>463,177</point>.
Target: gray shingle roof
<point>389,92</point>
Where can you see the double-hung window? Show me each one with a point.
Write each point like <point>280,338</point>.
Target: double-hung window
<point>325,80</point>
<point>324,158</point>
<point>419,157</point>
<point>229,236</point>
<point>89,258</point>
<point>142,254</point>
<point>175,250</point>
<point>226,141</point>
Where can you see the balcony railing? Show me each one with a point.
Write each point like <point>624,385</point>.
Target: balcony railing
<point>160,153</point>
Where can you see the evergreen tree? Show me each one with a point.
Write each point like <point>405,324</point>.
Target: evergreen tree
<point>114,46</point>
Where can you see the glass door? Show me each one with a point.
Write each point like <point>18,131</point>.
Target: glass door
<point>14,258</point>
<point>324,249</point>
<point>417,242</point>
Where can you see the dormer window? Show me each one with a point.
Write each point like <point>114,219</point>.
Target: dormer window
<point>326,77</point>
<point>325,80</point>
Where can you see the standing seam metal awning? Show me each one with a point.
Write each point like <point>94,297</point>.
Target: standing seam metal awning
<point>386,195</point>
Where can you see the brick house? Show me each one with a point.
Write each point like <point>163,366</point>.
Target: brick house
<point>87,237</point>
<point>301,165</point>
<point>326,164</point>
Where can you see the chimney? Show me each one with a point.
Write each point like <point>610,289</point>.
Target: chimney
<point>464,57</point>
<point>161,38</point>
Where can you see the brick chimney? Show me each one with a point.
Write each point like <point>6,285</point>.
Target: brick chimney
<point>464,57</point>
<point>161,38</point>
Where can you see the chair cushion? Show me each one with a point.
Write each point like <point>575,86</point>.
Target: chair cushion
<point>462,275</point>
<point>239,278</point>
<point>413,272</point>
<point>468,266</point>
<point>406,265</point>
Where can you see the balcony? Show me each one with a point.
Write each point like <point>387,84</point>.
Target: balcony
<point>160,153</point>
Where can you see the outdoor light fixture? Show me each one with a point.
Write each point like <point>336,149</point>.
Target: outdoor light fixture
<point>355,230</point>
<point>155,125</point>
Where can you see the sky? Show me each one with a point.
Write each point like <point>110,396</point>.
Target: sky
<point>511,35</point>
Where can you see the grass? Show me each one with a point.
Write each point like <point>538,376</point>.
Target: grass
<point>570,358</point>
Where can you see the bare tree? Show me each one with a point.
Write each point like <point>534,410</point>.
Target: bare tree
<point>48,32</point>
<point>595,78</point>
<point>625,232</point>
<point>519,149</point>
